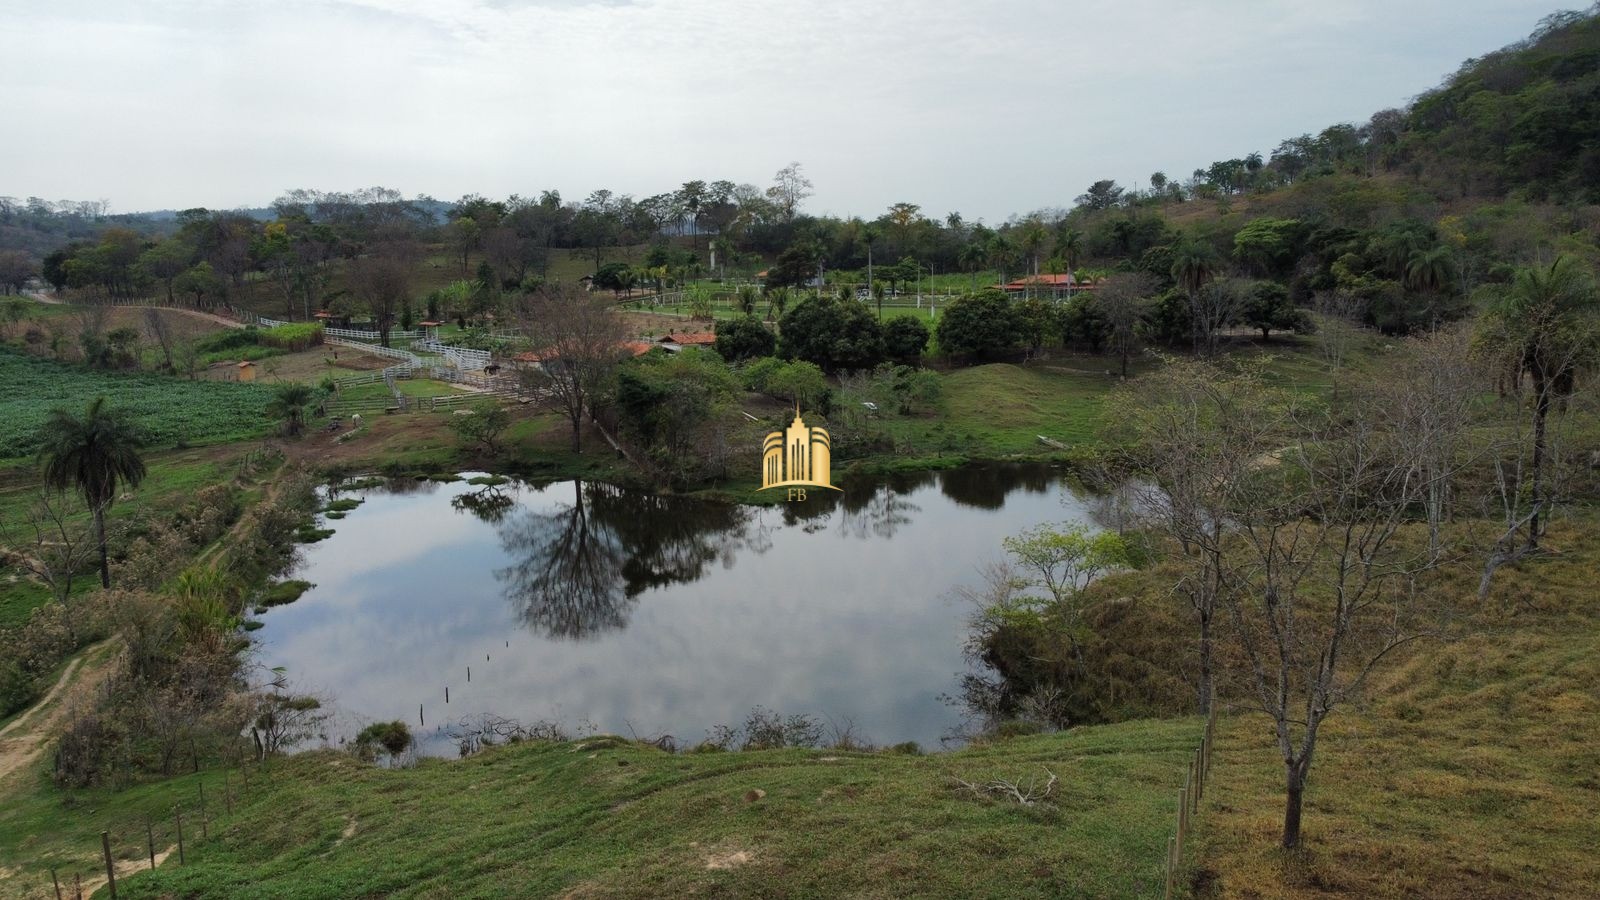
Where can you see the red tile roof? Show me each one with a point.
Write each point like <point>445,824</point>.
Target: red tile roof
<point>690,338</point>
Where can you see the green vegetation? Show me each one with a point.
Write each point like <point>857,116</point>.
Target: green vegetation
<point>284,592</point>
<point>824,822</point>
<point>169,410</point>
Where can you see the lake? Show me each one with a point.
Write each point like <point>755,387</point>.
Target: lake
<point>630,612</point>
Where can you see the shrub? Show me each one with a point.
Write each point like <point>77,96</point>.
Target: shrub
<point>905,339</point>
<point>978,326</point>
<point>294,336</point>
<point>744,338</point>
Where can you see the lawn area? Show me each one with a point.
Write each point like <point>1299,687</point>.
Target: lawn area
<point>170,409</point>
<point>586,819</point>
<point>410,387</point>
<point>1001,409</point>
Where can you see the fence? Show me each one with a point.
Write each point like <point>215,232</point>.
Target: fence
<point>1194,783</point>
<point>460,357</point>
<point>173,836</point>
<point>357,334</point>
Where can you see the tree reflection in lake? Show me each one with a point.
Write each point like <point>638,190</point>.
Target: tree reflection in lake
<point>578,569</point>
<point>489,503</point>
<point>986,486</point>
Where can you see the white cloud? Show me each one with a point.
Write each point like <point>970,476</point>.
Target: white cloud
<point>988,108</point>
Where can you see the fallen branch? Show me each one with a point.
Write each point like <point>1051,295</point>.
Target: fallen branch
<point>1013,791</point>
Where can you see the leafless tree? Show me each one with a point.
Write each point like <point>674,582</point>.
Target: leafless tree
<point>1196,438</point>
<point>53,543</point>
<point>382,280</point>
<point>1318,587</point>
<point>1215,306</point>
<point>1121,299</point>
<point>578,338</point>
<point>1338,328</point>
<point>155,325</point>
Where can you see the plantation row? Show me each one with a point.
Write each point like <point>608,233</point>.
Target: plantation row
<point>171,410</point>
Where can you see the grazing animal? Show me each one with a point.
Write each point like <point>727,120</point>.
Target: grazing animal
<point>355,421</point>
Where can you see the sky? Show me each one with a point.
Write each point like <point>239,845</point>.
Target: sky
<point>986,108</point>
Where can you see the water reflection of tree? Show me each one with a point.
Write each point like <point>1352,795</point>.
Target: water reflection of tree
<point>986,486</point>
<point>578,569</point>
<point>883,508</point>
<point>489,503</point>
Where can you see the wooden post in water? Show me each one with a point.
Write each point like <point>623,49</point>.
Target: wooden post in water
<point>420,720</point>
<point>111,870</point>
<point>447,693</point>
<point>469,674</point>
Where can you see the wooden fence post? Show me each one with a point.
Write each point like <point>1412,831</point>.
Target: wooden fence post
<point>111,870</point>
<point>1171,842</point>
<point>55,881</point>
<point>203,834</point>
<point>77,886</point>
<point>150,841</point>
<point>179,813</point>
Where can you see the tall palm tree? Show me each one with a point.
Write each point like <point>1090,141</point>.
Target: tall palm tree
<point>93,454</point>
<point>1033,236</point>
<point>1069,246</point>
<point>869,236</point>
<point>1194,264</point>
<point>1549,326</point>
<point>1001,254</point>
<point>289,404</point>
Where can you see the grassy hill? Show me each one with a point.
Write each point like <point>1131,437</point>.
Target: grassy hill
<point>607,817</point>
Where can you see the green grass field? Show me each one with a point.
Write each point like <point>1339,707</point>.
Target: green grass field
<point>171,410</point>
<point>586,819</point>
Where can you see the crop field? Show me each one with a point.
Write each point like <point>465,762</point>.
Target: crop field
<point>172,411</point>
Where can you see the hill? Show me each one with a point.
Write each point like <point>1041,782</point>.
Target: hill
<point>615,818</point>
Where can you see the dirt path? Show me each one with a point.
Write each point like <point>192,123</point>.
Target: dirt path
<point>209,317</point>
<point>25,737</point>
<point>125,868</point>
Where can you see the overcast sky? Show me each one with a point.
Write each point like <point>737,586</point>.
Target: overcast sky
<point>989,108</point>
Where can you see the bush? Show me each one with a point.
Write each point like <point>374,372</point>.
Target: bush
<point>834,334</point>
<point>393,737</point>
<point>905,339</point>
<point>293,337</point>
<point>744,338</point>
<point>978,326</point>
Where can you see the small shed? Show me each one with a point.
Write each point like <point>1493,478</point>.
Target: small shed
<point>247,371</point>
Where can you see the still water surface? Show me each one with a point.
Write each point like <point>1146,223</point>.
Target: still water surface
<point>587,603</point>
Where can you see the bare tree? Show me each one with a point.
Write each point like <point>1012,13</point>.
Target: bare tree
<point>1215,306</point>
<point>578,339</point>
<point>1338,328</point>
<point>155,325</point>
<point>1121,299</point>
<point>1317,587</point>
<point>382,280</point>
<point>53,544</point>
<point>1196,437</point>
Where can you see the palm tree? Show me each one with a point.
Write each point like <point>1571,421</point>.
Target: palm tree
<point>93,454</point>
<point>869,236</point>
<point>1547,326</point>
<point>1033,237</point>
<point>1001,254</point>
<point>1069,246</point>
<point>289,404</point>
<point>1194,264</point>
<point>1429,272</point>
<point>972,258</point>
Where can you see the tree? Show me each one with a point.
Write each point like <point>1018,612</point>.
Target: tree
<point>156,325</point>
<point>1192,436</point>
<point>796,265</point>
<point>1103,194</point>
<point>16,267</point>
<point>1269,246</point>
<point>93,454</point>
<point>1547,328</point>
<point>834,334</point>
<point>485,422</point>
<point>55,547</point>
<point>382,280</point>
<point>744,338</point>
<point>905,339</point>
<point>1267,308</point>
<point>288,405</point>
<point>578,339</point>
<point>1121,299</point>
<point>977,326</point>
<point>200,280</point>
<point>790,188</point>
<point>1194,264</point>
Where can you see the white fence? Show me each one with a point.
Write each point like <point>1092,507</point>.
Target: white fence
<point>461,357</point>
<point>359,335</point>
